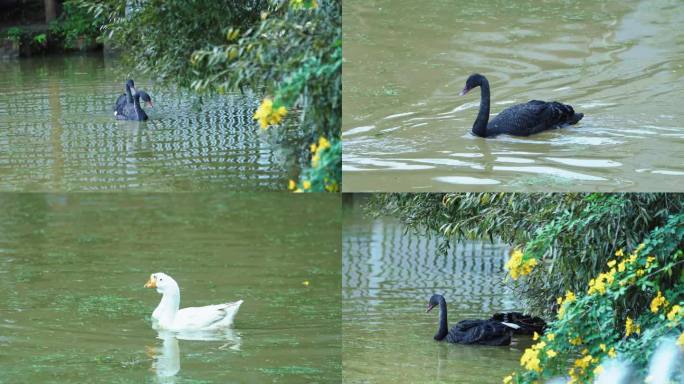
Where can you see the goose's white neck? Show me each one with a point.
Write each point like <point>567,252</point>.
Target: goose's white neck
<point>168,306</point>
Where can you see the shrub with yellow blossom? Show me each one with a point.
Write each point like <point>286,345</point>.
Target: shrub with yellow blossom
<point>519,265</point>
<point>325,171</point>
<point>268,115</point>
<point>597,324</point>
<point>294,55</point>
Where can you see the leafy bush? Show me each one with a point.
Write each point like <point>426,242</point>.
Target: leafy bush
<point>625,311</point>
<point>296,54</point>
<point>40,38</point>
<point>325,172</point>
<point>289,50</point>
<point>74,24</point>
<point>14,34</point>
<point>571,235</point>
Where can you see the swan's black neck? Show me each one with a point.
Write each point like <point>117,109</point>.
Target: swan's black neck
<point>480,126</point>
<point>129,95</point>
<point>139,113</point>
<point>443,326</point>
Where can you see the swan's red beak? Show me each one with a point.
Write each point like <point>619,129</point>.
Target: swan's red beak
<point>429,308</point>
<point>464,91</point>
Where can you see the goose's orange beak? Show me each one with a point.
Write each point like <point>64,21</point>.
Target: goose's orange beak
<point>151,283</point>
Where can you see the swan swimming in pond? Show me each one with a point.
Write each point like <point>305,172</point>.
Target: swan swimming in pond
<point>168,316</point>
<point>521,119</point>
<point>495,331</point>
<point>127,106</point>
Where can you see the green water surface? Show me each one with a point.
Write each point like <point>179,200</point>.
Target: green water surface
<point>73,307</point>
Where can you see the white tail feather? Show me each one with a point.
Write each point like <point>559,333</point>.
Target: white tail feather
<point>511,325</point>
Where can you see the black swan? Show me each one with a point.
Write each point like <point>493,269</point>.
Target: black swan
<point>126,98</point>
<point>520,119</point>
<point>482,332</point>
<point>136,112</point>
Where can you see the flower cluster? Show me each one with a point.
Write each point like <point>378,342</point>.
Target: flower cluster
<point>657,302</point>
<point>518,265</point>
<point>630,328</point>
<point>572,349</point>
<point>530,359</point>
<point>268,115</point>
<point>318,149</point>
<point>562,303</point>
<point>318,177</point>
<point>304,4</point>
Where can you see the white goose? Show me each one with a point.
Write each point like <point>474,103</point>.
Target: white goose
<point>168,316</point>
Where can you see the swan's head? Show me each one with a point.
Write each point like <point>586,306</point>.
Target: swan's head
<point>434,301</point>
<point>474,81</point>
<point>162,282</point>
<point>145,97</point>
<point>130,86</point>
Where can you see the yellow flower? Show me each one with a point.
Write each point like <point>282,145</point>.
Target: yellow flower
<point>640,272</point>
<point>619,253</point>
<point>292,185</point>
<point>657,302</point>
<point>576,341</point>
<point>535,336</point>
<point>508,379</point>
<point>680,340</point>
<point>550,337</point>
<point>583,362</point>
<point>323,143</point>
<point>317,150</point>
<point>611,263</point>
<point>267,115</point>
<point>630,327</point>
<point>306,185</point>
<point>302,4</point>
<point>612,352</point>
<point>598,370</point>
<point>551,353</point>
<point>570,297</point>
<point>621,266</point>
<point>649,261</point>
<point>263,112</point>
<point>603,347</point>
<point>518,266</point>
<point>674,312</point>
<point>530,360</point>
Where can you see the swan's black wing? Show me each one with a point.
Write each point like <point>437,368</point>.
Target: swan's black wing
<point>483,332</point>
<point>532,117</point>
<point>120,102</point>
<point>528,324</point>
<point>124,110</point>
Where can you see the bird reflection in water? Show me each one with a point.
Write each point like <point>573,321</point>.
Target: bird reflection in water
<point>166,357</point>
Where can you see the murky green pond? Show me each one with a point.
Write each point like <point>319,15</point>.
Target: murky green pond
<point>621,63</point>
<point>58,133</point>
<point>388,277</point>
<point>73,307</point>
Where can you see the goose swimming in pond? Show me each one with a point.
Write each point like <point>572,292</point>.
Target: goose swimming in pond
<point>521,119</point>
<point>482,332</point>
<point>168,316</point>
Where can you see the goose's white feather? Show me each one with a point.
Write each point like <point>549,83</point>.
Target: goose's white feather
<point>168,316</point>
